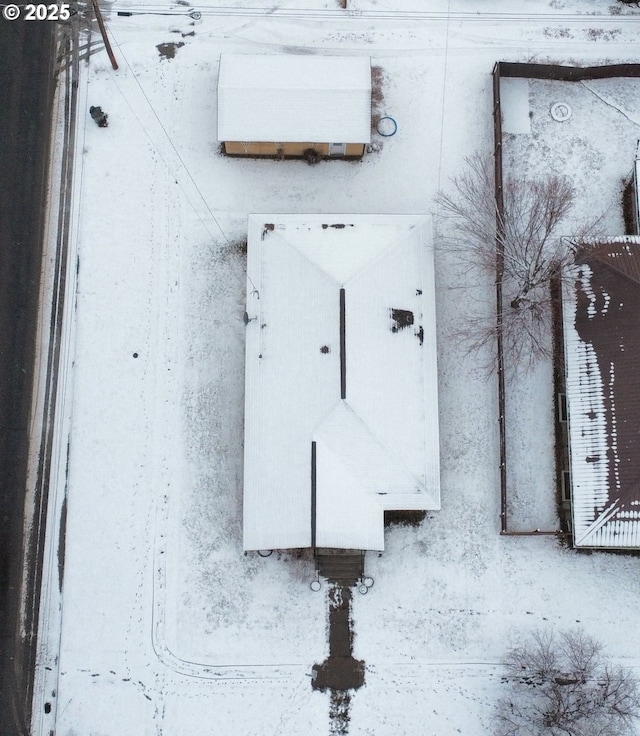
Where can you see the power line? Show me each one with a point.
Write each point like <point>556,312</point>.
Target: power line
<point>242,275</point>
<point>388,15</point>
<point>173,146</point>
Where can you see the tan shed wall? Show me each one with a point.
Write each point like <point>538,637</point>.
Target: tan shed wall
<point>355,149</point>
<point>245,148</point>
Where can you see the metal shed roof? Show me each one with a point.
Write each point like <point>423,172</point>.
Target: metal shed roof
<point>293,98</point>
<point>341,409</point>
<point>601,306</point>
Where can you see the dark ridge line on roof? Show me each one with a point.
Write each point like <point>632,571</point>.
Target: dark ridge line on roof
<point>313,494</point>
<point>343,347</point>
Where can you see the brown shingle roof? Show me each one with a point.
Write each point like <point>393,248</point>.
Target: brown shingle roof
<point>621,257</point>
<point>604,406</point>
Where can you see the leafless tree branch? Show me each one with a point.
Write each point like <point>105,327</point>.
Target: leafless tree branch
<point>561,684</point>
<point>526,232</point>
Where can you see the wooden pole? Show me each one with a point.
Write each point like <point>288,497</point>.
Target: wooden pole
<point>499,208</point>
<point>103,32</point>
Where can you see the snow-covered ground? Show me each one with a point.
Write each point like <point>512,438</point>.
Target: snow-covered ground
<point>165,627</point>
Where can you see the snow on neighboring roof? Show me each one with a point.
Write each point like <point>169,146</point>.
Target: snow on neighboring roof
<point>602,333</point>
<point>307,345</point>
<point>636,192</point>
<point>293,98</point>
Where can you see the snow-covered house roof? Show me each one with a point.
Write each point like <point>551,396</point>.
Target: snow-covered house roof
<point>601,305</point>
<point>293,98</point>
<point>341,399</point>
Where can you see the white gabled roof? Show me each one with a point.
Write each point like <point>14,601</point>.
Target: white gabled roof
<point>376,449</point>
<point>293,98</point>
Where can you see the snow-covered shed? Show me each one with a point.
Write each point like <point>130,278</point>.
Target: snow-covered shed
<point>341,393</point>
<point>284,105</point>
<point>601,321</point>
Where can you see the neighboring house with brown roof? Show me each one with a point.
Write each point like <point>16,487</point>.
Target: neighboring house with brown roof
<point>286,105</point>
<point>631,200</point>
<point>601,321</point>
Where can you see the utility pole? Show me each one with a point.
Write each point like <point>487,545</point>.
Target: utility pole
<point>103,32</point>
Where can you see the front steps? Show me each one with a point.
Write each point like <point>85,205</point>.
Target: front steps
<point>342,567</point>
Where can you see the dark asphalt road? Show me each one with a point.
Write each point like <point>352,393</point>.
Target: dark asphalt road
<point>26,96</point>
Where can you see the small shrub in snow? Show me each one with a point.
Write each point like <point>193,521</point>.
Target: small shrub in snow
<point>311,156</point>
<point>562,685</point>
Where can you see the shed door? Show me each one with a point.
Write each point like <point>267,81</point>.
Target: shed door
<point>337,149</point>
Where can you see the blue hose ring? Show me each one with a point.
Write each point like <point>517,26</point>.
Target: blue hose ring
<point>393,131</point>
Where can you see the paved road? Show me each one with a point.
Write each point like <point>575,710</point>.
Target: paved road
<point>26,93</point>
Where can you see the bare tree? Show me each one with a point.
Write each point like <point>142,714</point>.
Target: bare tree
<point>562,685</point>
<point>520,246</point>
